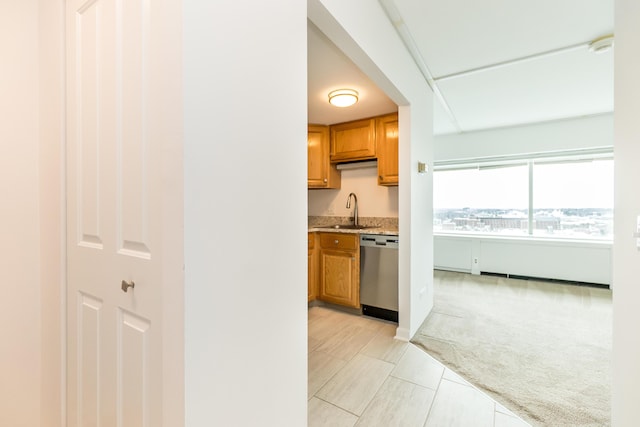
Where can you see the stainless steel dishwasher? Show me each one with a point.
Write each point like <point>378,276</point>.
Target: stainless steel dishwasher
<point>379,276</point>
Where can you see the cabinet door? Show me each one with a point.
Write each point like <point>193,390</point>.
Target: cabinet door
<point>339,277</point>
<point>353,140</point>
<point>320,172</point>
<point>387,149</point>
<point>312,283</point>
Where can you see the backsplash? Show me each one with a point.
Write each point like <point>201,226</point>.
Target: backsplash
<point>373,200</point>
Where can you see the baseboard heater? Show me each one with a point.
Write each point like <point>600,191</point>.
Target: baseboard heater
<point>546,279</point>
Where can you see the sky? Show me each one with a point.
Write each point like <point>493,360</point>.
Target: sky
<point>555,186</point>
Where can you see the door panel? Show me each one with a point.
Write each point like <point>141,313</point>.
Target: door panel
<point>338,277</point>
<point>132,142</point>
<point>337,274</point>
<point>88,126</point>
<point>133,369</point>
<point>88,339</point>
<point>317,156</point>
<point>117,212</point>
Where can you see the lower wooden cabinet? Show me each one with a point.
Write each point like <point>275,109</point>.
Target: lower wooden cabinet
<point>339,263</point>
<point>312,283</point>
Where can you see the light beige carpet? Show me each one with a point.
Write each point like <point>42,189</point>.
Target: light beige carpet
<point>543,350</point>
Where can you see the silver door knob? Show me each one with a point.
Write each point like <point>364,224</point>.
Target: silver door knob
<point>126,285</point>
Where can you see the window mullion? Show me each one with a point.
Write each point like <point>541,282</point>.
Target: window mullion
<point>530,197</point>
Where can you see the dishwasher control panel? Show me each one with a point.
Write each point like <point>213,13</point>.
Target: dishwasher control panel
<point>380,240</point>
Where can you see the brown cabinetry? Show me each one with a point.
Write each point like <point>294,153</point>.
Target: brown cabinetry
<point>320,172</point>
<point>353,141</point>
<point>374,138</point>
<point>312,283</point>
<point>339,263</point>
<point>387,149</point>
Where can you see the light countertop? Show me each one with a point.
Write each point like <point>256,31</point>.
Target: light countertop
<point>379,225</point>
<point>376,230</point>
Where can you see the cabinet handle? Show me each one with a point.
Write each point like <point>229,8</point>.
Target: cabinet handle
<point>325,180</point>
<point>380,177</point>
<point>335,242</point>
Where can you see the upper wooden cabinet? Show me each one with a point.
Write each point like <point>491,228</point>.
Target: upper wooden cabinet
<point>387,149</point>
<point>353,141</point>
<point>320,172</point>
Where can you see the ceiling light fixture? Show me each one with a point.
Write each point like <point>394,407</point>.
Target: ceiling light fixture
<point>601,44</point>
<point>343,97</point>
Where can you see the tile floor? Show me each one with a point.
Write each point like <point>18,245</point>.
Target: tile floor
<point>359,375</point>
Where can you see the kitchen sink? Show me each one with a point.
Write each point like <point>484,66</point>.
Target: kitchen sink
<point>351,226</point>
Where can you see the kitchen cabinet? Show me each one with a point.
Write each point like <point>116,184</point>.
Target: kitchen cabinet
<point>312,283</point>
<point>339,263</point>
<point>387,149</point>
<point>320,172</point>
<point>352,141</point>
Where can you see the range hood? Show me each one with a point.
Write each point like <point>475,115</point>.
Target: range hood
<point>363,164</point>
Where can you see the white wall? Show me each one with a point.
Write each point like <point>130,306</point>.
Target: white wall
<point>626,262</point>
<point>560,135</point>
<point>20,314</point>
<point>245,211</point>
<point>32,217</point>
<point>52,211</point>
<point>588,262</point>
<point>373,199</point>
<point>375,47</point>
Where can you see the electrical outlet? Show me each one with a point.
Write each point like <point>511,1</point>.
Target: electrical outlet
<point>475,261</point>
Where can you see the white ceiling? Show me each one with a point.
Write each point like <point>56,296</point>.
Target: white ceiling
<point>329,69</point>
<point>494,63</point>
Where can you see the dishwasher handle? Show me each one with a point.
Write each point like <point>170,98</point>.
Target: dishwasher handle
<point>379,240</point>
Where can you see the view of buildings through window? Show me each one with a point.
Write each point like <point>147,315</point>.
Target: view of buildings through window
<point>570,199</point>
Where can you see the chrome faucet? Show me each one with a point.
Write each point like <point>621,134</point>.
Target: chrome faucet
<point>355,207</point>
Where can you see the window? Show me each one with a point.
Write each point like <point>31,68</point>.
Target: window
<point>573,199</point>
<point>482,200</point>
<point>568,197</point>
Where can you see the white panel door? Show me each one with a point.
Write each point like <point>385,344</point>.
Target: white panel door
<point>122,171</point>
